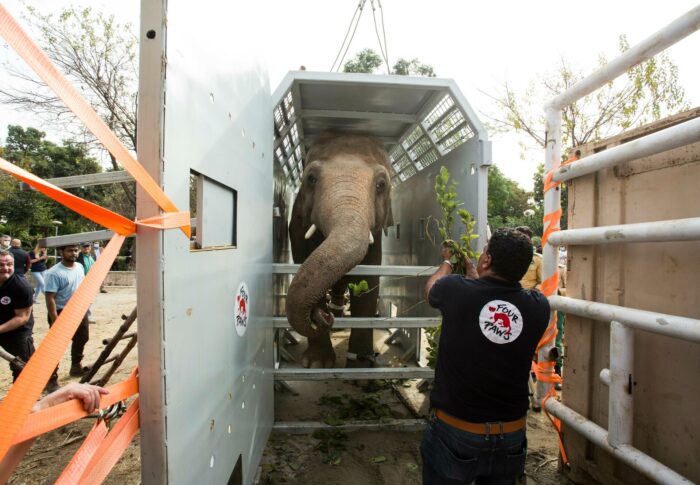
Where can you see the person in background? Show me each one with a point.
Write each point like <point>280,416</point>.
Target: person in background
<point>85,257</point>
<point>16,319</point>
<point>5,242</point>
<point>62,280</point>
<point>533,276</point>
<point>22,260</point>
<point>490,328</point>
<point>38,259</point>
<point>96,250</point>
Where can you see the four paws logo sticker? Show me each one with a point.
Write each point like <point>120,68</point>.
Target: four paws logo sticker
<point>500,321</point>
<point>5,300</point>
<point>242,306</point>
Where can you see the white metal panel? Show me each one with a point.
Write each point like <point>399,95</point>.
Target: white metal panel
<point>215,375</point>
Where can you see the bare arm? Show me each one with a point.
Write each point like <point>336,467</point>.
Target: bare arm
<point>444,269</point>
<point>21,317</point>
<point>51,306</point>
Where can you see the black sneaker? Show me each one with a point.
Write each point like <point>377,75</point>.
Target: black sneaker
<point>77,370</point>
<point>52,385</point>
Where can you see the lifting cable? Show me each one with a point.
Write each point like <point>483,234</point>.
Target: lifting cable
<point>101,450</point>
<point>358,14</point>
<point>382,48</point>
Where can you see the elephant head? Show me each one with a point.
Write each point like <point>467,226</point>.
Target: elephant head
<point>342,207</point>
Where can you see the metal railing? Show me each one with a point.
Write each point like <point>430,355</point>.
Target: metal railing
<point>617,440</point>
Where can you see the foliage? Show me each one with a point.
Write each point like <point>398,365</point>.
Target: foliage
<point>98,55</point>
<point>413,67</point>
<point>365,61</point>
<point>331,444</point>
<point>446,196</point>
<point>368,61</point>
<point>29,214</point>
<point>507,203</point>
<point>648,92</point>
<point>364,407</point>
<point>359,289</point>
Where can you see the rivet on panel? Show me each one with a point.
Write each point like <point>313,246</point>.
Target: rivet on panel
<point>243,133</point>
<point>211,462</point>
<point>242,378</point>
<point>188,312</point>
<point>243,405</point>
<point>211,425</point>
<point>151,34</point>
<point>253,145</point>
<point>473,169</point>
<point>253,386</point>
<point>229,116</point>
<point>230,396</point>
<point>211,97</point>
<point>229,429</point>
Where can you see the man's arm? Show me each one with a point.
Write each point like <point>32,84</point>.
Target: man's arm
<point>21,317</point>
<point>444,269</point>
<point>51,306</point>
<point>27,263</point>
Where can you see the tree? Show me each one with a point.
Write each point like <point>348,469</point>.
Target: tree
<point>365,61</point>
<point>413,67</point>
<point>30,213</point>
<point>99,56</point>
<point>507,203</point>
<point>368,61</point>
<point>648,92</point>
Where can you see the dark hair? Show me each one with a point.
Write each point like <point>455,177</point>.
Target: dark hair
<point>5,252</point>
<point>525,230</point>
<point>61,248</point>
<point>511,253</point>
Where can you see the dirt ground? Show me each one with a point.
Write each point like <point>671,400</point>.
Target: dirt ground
<point>370,457</point>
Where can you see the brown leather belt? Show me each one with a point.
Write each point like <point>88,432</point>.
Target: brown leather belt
<point>482,428</point>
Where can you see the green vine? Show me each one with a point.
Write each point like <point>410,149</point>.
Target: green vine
<point>446,195</point>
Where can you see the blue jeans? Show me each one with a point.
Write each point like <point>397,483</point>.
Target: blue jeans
<point>39,283</point>
<point>452,456</point>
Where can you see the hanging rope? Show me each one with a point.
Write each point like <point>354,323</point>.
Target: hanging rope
<point>357,13</point>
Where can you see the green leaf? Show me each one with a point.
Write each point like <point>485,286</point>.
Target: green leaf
<point>378,459</point>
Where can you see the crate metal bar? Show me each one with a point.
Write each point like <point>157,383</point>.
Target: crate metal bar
<point>684,328</point>
<point>299,374</point>
<point>656,471</point>
<point>672,137</point>
<point>621,402</point>
<point>361,322</point>
<point>364,115</point>
<point>308,427</point>
<point>671,230</point>
<point>366,270</point>
<point>680,28</point>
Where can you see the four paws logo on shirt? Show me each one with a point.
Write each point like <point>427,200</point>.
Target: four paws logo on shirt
<point>5,300</point>
<point>500,321</point>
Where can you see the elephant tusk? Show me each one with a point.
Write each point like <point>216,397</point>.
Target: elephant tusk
<point>310,232</point>
<point>371,238</point>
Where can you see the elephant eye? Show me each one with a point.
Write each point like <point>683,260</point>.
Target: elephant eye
<point>311,179</point>
<point>381,186</point>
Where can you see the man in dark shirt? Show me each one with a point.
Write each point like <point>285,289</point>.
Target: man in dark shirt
<point>16,319</point>
<point>21,257</point>
<point>490,328</point>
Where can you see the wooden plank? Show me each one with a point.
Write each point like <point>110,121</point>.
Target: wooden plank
<point>308,427</point>
<point>386,322</point>
<point>300,374</point>
<point>86,180</point>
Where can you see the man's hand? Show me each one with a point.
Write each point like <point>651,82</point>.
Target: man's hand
<point>87,393</point>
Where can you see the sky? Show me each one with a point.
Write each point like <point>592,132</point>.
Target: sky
<point>480,45</point>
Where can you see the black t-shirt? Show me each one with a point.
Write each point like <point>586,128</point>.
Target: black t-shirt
<point>22,261</point>
<point>16,293</point>
<point>490,330</point>
<point>39,266</point>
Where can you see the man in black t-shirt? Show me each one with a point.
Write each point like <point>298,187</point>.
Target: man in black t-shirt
<point>16,320</point>
<point>490,328</point>
<point>21,257</point>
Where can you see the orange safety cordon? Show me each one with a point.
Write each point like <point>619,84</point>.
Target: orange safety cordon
<point>17,38</point>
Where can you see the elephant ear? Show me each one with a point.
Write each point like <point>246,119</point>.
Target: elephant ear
<point>389,219</point>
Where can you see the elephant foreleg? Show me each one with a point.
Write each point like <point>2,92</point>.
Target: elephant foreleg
<point>320,353</point>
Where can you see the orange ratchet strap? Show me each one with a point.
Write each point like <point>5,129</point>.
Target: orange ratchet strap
<point>17,38</point>
<point>19,400</point>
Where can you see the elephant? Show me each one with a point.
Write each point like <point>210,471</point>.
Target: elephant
<point>340,211</point>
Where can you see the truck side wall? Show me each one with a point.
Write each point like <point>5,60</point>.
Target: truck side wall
<point>661,277</point>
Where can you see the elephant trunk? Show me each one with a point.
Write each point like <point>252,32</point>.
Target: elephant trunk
<point>343,249</point>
